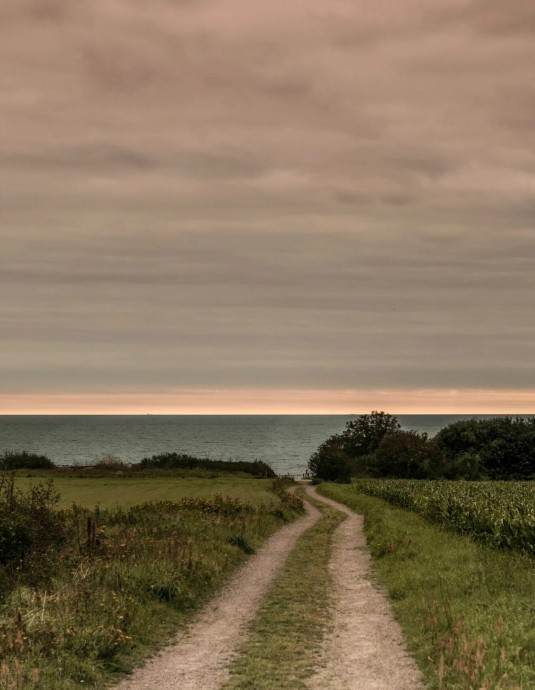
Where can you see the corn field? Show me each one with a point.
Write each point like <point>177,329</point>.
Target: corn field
<point>499,514</point>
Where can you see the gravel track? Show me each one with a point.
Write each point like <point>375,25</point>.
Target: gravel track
<point>200,659</point>
<point>364,648</point>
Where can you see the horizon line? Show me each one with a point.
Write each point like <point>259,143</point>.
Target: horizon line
<point>249,402</point>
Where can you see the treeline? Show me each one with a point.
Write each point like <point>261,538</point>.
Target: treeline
<point>374,445</point>
<point>23,460</point>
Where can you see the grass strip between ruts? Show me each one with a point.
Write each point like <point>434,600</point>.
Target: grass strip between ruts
<point>467,611</point>
<point>283,642</point>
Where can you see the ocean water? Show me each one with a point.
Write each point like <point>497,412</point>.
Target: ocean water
<point>285,442</point>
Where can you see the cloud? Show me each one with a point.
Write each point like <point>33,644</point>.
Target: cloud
<point>225,195</point>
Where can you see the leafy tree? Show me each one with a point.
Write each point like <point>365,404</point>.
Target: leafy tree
<point>363,435</point>
<point>330,463</point>
<point>501,448</point>
<point>343,454</point>
<point>408,455</point>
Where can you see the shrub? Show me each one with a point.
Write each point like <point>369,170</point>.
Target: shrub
<point>112,463</point>
<point>30,524</point>
<point>23,460</point>
<point>256,468</point>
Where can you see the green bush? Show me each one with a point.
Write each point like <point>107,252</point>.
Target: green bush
<point>23,460</point>
<point>256,468</point>
<point>499,448</point>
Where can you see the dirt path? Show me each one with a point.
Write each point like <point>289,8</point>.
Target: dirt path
<point>364,649</point>
<point>199,660</point>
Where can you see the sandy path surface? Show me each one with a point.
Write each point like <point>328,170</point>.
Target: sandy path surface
<point>200,659</point>
<point>364,648</point>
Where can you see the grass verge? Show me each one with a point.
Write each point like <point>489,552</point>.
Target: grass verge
<point>281,649</point>
<point>467,611</point>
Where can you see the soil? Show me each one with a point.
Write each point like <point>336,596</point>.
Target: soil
<point>364,648</point>
<point>200,659</point>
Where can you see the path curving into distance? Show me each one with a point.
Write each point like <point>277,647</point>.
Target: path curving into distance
<point>200,658</point>
<point>364,648</point>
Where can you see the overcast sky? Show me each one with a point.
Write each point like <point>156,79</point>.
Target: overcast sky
<point>223,205</point>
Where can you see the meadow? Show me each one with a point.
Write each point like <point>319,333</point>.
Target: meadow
<point>466,607</point>
<point>108,491</point>
<point>87,591</point>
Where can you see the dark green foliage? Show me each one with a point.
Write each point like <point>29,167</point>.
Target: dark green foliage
<point>363,435</point>
<point>22,460</point>
<point>499,448</point>
<point>256,468</point>
<point>338,457</point>
<point>330,462</point>
<point>408,454</point>
<point>374,446</point>
<point>30,525</point>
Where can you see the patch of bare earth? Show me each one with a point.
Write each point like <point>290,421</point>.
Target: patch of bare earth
<point>200,659</point>
<point>364,648</point>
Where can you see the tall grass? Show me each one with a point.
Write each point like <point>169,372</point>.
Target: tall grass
<point>117,582</point>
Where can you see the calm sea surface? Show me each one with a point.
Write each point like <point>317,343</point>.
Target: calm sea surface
<point>283,441</point>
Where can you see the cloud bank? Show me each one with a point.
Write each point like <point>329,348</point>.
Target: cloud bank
<point>223,196</point>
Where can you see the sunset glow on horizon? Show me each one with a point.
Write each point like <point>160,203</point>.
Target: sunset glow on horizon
<point>286,402</point>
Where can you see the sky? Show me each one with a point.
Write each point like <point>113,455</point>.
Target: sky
<point>223,206</point>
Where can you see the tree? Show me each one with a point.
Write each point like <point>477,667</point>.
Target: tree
<point>408,454</point>
<point>497,448</point>
<point>330,463</point>
<point>338,457</point>
<point>363,435</point>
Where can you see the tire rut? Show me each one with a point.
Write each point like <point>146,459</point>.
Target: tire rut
<point>364,648</point>
<point>200,658</point>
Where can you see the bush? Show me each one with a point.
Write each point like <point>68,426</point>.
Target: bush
<point>256,468</point>
<point>499,448</point>
<point>22,460</point>
<point>30,524</point>
<point>111,463</point>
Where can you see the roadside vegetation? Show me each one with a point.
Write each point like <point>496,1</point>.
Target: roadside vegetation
<point>466,609</point>
<point>281,650</point>
<point>86,593</point>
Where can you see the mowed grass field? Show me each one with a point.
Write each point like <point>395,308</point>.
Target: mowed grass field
<point>114,491</point>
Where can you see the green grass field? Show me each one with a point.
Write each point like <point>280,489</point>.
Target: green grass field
<point>110,492</point>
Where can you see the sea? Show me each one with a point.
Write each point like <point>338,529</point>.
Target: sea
<point>285,442</point>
